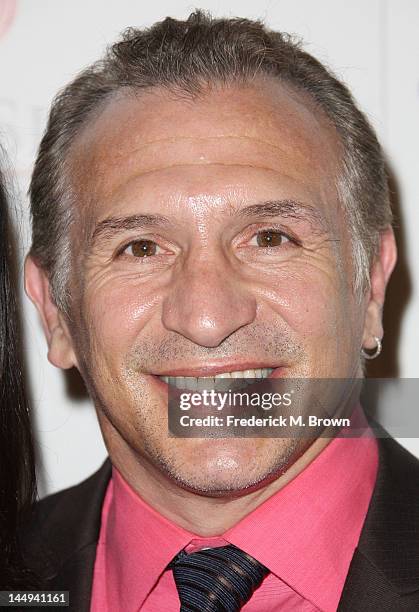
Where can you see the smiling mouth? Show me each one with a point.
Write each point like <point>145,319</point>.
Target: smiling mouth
<point>193,383</point>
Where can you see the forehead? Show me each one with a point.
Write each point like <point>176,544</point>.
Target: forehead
<point>254,132</point>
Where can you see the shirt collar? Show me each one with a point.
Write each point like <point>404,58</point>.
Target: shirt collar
<point>139,539</point>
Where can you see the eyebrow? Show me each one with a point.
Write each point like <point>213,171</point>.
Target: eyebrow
<point>111,226</point>
<point>286,209</point>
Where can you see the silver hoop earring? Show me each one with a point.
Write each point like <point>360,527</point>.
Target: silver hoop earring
<point>376,351</point>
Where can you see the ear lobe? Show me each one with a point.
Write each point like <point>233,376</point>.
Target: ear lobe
<point>380,274</point>
<point>38,289</point>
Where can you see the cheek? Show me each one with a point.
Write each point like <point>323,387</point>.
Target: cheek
<point>312,304</point>
<point>116,315</point>
<point>314,310</point>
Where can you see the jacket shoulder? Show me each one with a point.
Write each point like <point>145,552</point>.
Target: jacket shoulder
<point>73,498</point>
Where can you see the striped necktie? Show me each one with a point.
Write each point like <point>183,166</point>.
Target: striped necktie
<point>219,579</point>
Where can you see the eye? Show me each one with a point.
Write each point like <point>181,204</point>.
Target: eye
<point>141,248</point>
<point>269,238</point>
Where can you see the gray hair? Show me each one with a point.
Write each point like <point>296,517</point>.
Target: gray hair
<point>186,56</point>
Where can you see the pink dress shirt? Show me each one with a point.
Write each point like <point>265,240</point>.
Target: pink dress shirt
<point>305,534</point>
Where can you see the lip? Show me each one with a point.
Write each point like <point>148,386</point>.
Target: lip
<point>277,372</point>
<point>212,370</point>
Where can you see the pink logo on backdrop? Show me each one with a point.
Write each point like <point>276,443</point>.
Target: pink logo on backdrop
<point>7,15</point>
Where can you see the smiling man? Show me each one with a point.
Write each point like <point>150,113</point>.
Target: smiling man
<point>208,202</point>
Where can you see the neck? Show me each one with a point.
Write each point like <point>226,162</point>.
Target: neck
<point>200,514</point>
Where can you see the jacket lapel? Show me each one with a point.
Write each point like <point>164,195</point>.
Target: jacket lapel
<point>384,572</point>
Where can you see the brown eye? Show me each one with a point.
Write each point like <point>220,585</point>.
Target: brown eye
<point>270,238</point>
<point>141,248</point>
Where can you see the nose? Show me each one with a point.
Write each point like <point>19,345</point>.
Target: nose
<point>208,303</point>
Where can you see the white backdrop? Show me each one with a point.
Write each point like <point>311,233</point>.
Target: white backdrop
<point>373,46</point>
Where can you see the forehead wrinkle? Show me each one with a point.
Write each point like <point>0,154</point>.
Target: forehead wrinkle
<point>204,157</point>
<point>181,138</point>
<point>96,151</point>
<point>137,174</point>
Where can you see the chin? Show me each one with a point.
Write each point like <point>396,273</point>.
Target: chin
<point>233,469</point>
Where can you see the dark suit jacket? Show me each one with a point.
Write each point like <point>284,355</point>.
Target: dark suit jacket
<point>62,536</point>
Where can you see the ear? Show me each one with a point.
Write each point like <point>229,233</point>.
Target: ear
<point>60,345</point>
<point>379,276</point>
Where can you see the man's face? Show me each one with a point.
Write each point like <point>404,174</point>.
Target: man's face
<point>208,239</point>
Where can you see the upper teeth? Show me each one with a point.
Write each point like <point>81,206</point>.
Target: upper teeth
<point>193,383</point>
